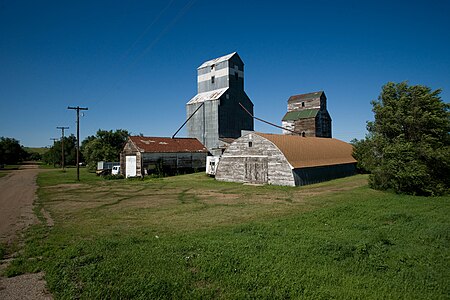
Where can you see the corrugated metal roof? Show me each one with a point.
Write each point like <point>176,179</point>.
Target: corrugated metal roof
<point>216,60</point>
<point>307,96</point>
<point>166,144</point>
<point>210,95</point>
<point>303,152</point>
<point>300,114</point>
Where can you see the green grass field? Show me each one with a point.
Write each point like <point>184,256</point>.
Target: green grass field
<point>192,237</point>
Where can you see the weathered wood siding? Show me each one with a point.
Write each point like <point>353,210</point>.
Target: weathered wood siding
<point>252,158</point>
<point>304,104</point>
<point>318,126</point>
<point>308,126</point>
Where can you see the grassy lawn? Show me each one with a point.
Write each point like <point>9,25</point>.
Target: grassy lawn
<point>192,237</point>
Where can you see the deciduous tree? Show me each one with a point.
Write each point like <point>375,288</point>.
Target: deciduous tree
<point>104,146</point>
<point>11,152</point>
<point>408,147</point>
<point>54,156</point>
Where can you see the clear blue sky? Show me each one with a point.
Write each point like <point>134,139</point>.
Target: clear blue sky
<point>133,63</point>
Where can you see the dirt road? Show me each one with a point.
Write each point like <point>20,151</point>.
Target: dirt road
<point>17,194</point>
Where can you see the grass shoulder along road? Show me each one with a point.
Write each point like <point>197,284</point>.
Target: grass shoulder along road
<point>193,237</point>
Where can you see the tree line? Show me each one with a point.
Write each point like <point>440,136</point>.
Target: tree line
<point>105,145</point>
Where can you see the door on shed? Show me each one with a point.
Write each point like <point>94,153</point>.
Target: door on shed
<point>256,169</point>
<point>130,166</point>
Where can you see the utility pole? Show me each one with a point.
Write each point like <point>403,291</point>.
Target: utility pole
<point>62,144</point>
<point>54,140</point>
<point>78,136</point>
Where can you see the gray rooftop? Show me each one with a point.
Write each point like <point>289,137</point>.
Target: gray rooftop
<point>217,60</point>
<point>206,96</point>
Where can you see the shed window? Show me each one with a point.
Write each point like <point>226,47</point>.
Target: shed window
<point>213,79</point>
<point>250,144</point>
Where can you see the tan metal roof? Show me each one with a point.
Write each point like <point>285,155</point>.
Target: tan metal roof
<point>303,152</point>
<point>166,144</point>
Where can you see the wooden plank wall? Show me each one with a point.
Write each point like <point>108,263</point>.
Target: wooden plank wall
<point>239,161</point>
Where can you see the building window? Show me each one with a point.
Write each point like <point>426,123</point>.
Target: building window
<point>213,67</point>
<point>250,144</point>
<point>303,134</point>
<point>213,79</point>
<point>303,104</point>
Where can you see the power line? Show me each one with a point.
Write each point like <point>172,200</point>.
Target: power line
<point>129,66</point>
<point>147,29</point>
<point>256,118</point>
<point>183,11</point>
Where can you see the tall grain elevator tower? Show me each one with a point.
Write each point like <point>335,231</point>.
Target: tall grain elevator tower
<point>218,115</point>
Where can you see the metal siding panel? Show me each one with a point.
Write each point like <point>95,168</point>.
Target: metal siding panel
<point>232,118</point>
<point>319,174</point>
<point>204,124</point>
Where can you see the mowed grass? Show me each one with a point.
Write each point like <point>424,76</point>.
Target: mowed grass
<point>192,237</point>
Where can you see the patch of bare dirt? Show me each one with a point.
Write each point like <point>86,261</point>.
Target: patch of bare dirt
<point>17,194</point>
<point>27,286</point>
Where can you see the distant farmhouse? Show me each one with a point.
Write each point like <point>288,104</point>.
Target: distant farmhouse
<point>217,117</point>
<point>289,160</point>
<point>308,115</point>
<point>146,155</point>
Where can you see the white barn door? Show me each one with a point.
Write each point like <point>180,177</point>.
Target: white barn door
<point>130,166</point>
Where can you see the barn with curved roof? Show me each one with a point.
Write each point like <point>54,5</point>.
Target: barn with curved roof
<point>285,160</point>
